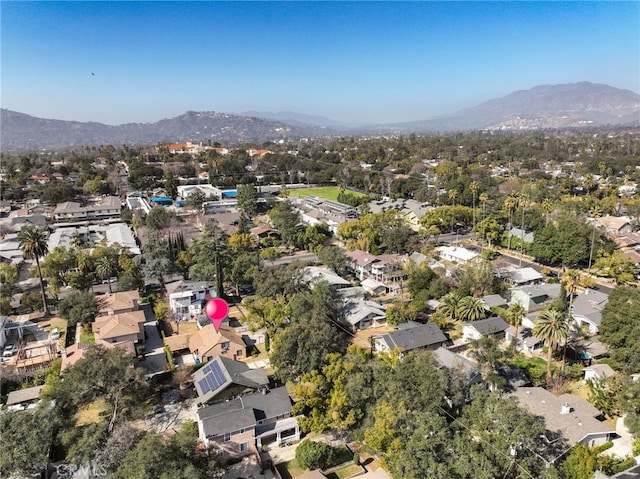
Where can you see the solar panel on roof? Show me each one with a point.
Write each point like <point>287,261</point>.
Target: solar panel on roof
<point>204,386</point>
<point>213,377</point>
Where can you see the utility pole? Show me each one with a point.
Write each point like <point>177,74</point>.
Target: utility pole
<point>514,461</point>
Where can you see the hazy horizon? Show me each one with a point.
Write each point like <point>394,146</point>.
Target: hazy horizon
<point>352,62</point>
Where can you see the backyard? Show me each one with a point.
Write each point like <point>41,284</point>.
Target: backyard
<point>342,468</point>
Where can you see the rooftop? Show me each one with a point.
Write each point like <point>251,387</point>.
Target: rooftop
<point>568,415</point>
<point>419,336</point>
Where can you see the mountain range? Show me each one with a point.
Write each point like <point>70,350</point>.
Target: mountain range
<point>573,105</point>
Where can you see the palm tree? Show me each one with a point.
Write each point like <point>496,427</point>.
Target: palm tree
<point>471,309</point>
<point>570,279</point>
<point>449,305</point>
<point>551,326</point>
<point>85,266</point>
<point>33,244</point>
<point>514,317</point>
<point>106,267</point>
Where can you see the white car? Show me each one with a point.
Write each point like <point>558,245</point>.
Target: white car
<point>9,350</point>
<point>55,334</point>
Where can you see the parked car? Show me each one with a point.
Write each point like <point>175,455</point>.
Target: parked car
<point>110,280</point>
<point>9,350</point>
<point>55,334</point>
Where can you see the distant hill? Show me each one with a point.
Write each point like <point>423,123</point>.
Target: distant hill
<point>571,105</point>
<point>21,131</point>
<point>293,118</point>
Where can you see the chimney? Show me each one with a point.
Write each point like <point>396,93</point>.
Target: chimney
<point>565,409</point>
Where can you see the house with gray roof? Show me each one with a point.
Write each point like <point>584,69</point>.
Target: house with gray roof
<point>24,398</point>
<point>312,274</point>
<point>598,371</point>
<point>363,314</point>
<point>522,234</point>
<point>493,326</point>
<point>417,258</point>
<point>493,301</point>
<point>223,378</point>
<point>520,276</point>
<point>241,426</point>
<point>566,416</point>
<point>587,309</point>
<point>408,337</point>
<point>536,296</point>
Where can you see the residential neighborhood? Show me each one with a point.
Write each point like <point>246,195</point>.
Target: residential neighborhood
<point>361,320</point>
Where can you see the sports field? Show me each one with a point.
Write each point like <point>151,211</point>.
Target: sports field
<point>327,192</point>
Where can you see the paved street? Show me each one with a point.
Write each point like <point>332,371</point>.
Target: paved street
<point>302,257</point>
<point>514,259</point>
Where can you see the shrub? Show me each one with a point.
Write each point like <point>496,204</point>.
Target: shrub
<point>169,355</point>
<point>314,455</point>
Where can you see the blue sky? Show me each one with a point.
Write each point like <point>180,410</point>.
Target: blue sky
<point>356,62</point>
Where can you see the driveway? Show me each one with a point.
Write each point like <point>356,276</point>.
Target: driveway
<point>623,445</point>
<point>155,361</point>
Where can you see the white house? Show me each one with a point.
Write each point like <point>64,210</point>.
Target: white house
<point>484,327</point>
<point>598,371</point>
<point>456,254</point>
<point>187,298</point>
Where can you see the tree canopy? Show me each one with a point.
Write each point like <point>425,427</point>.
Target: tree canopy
<point>620,328</point>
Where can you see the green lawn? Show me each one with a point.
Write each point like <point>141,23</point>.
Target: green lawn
<point>290,469</point>
<point>87,337</point>
<point>342,468</point>
<point>343,472</point>
<point>327,192</point>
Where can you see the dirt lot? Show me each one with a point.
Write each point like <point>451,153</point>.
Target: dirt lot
<point>362,337</point>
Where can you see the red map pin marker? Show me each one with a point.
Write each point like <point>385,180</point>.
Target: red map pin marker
<point>217,310</point>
